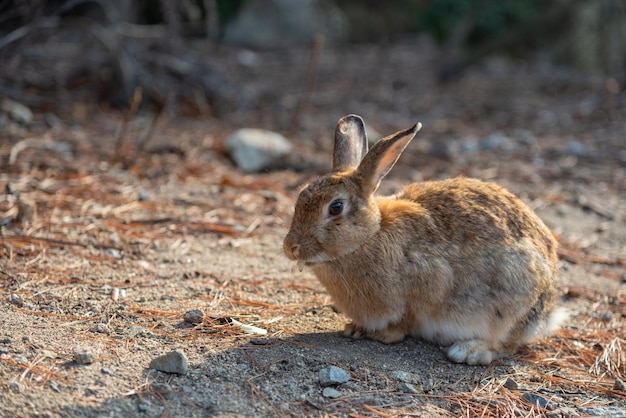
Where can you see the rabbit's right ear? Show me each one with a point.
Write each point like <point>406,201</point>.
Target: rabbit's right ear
<point>350,143</point>
<point>383,156</point>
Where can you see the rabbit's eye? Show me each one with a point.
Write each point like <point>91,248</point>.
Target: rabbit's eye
<point>335,208</point>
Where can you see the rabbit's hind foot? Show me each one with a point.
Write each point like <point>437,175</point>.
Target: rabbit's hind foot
<point>472,352</point>
<point>389,335</point>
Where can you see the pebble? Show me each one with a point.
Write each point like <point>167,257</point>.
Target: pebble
<point>407,388</point>
<point>510,384</point>
<point>331,393</point>
<point>172,362</point>
<point>108,372</point>
<point>137,331</point>
<point>535,399</point>
<point>601,411</point>
<point>254,150</point>
<point>100,328</point>
<point>17,300</point>
<point>17,111</point>
<point>619,385</point>
<point>607,316</point>
<point>565,411</point>
<point>54,386</point>
<point>404,377</point>
<point>84,356</point>
<point>333,375</point>
<point>17,387</point>
<point>194,316</point>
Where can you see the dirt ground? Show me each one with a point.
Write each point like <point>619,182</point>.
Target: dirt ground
<point>102,255</point>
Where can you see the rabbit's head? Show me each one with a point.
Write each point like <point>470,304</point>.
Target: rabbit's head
<point>336,214</point>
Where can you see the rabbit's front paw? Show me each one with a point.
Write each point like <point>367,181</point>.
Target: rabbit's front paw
<point>352,330</point>
<point>472,352</point>
<point>389,335</point>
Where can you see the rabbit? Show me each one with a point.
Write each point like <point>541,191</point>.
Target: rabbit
<point>460,263</point>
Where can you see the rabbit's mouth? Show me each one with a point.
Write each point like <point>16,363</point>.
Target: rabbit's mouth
<point>302,263</point>
<point>313,261</point>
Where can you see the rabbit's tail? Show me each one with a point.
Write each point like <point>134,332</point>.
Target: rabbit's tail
<point>547,325</point>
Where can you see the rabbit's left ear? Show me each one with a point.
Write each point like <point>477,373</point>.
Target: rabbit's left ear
<point>350,143</point>
<point>382,157</point>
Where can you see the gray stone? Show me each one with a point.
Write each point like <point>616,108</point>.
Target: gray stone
<point>17,300</point>
<point>17,111</point>
<point>254,150</point>
<point>333,375</point>
<point>510,384</point>
<point>407,388</point>
<point>84,356</point>
<point>565,411</point>
<point>329,392</point>
<point>535,399</point>
<point>194,316</point>
<point>619,385</point>
<point>136,331</point>
<point>172,362</point>
<point>602,411</point>
<point>404,377</point>
<point>100,328</point>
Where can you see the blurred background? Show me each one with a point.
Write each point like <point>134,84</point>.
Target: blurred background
<point>528,79</point>
<point>56,52</point>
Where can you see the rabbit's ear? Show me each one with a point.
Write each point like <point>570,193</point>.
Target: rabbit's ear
<point>382,157</point>
<point>350,143</point>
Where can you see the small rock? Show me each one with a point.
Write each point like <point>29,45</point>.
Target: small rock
<point>100,328</point>
<point>17,300</point>
<point>562,412</point>
<point>162,387</point>
<point>143,196</point>
<point>84,356</point>
<point>16,387</point>
<point>194,316</point>
<point>108,372</point>
<point>536,399</point>
<point>172,362</point>
<point>254,150</point>
<point>607,316</point>
<point>619,385</point>
<point>17,111</point>
<point>333,375</point>
<point>404,377</point>
<point>510,384</point>
<point>601,411</point>
<point>331,393</point>
<point>259,341</point>
<point>115,253</point>
<point>407,388</point>
<point>137,331</point>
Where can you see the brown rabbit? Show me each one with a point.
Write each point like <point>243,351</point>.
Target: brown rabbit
<point>460,262</point>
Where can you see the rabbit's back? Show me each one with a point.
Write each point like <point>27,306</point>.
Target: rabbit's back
<point>475,213</point>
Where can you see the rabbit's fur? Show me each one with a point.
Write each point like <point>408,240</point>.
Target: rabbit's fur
<point>460,262</point>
